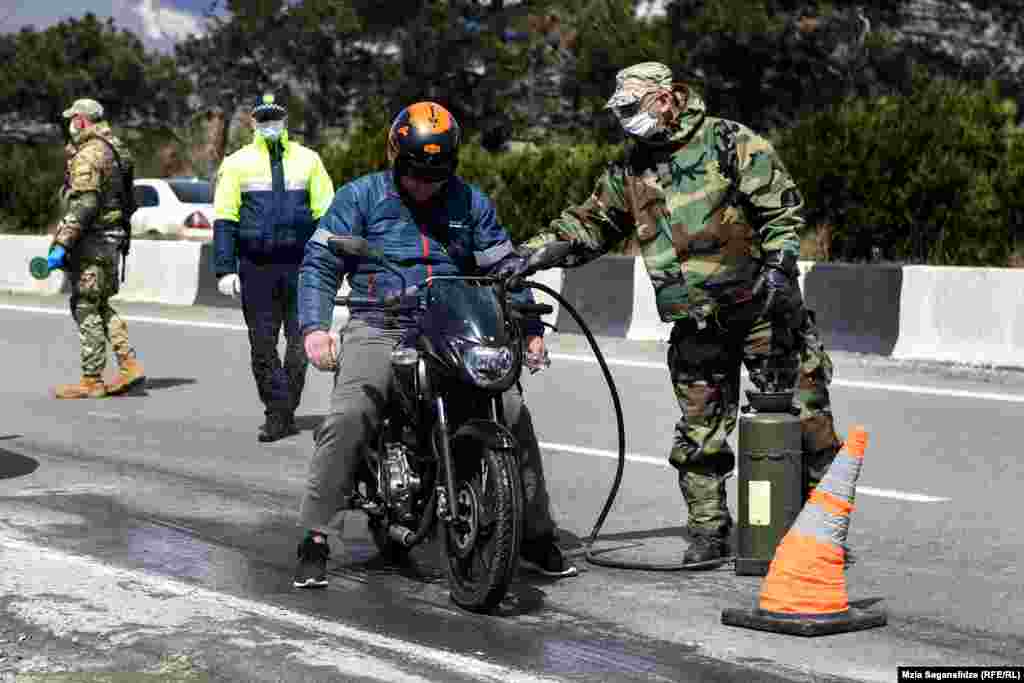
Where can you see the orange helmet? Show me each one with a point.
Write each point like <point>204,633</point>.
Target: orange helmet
<point>424,141</point>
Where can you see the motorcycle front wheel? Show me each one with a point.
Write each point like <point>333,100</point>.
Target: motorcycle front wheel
<point>481,543</point>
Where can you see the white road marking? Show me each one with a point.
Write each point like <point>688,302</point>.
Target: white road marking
<point>573,358</point>
<point>132,318</point>
<point>663,462</point>
<point>853,384</point>
<point>103,596</point>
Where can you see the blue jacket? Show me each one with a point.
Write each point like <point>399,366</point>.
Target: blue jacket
<point>266,208</point>
<point>458,234</point>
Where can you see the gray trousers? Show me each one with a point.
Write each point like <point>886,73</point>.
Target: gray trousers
<point>357,406</point>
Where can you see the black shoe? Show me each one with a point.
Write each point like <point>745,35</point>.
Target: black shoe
<point>311,571</point>
<point>706,550</point>
<point>276,427</point>
<point>543,555</point>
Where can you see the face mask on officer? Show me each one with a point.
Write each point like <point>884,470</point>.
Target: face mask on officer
<point>270,130</point>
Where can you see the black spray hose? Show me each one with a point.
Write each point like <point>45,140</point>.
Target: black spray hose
<point>591,556</point>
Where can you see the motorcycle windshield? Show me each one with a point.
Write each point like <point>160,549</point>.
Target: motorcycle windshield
<point>466,310</point>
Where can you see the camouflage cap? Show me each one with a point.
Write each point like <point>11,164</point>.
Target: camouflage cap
<point>85,107</point>
<point>635,81</point>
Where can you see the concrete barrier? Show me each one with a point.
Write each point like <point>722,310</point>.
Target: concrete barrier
<point>602,294</point>
<point>15,253</point>
<point>857,307</point>
<point>207,293</point>
<point>162,272</point>
<point>966,315</point>
<point>645,323</point>
<point>553,278</point>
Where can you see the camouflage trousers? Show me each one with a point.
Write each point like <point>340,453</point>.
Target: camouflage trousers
<point>92,285</point>
<point>705,370</point>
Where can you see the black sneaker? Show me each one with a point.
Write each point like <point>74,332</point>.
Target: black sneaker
<point>311,571</point>
<point>275,428</point>
<point>543,555</point>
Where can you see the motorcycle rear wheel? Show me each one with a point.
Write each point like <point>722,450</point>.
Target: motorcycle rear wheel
<point>481,545</point>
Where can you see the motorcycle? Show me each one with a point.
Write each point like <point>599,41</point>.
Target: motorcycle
<point>444,458</point>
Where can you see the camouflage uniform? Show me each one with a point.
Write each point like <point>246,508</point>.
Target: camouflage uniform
<point>91,233</point>
<point>706,200</point>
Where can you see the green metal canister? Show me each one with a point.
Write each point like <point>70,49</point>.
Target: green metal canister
<point>770,471</point>
<point>39,268</point>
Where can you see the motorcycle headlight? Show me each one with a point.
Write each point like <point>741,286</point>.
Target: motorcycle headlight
<point>488,365</point>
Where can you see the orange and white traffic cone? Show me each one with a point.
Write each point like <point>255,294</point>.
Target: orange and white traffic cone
<point>804,592</point>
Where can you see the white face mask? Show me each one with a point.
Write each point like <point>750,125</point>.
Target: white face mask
<point>271,130</point>
<point>643,124</point>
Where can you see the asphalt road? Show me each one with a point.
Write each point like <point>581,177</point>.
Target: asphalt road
<point>152,532</point>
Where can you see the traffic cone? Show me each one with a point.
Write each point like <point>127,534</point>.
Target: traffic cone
<point>804,593</point>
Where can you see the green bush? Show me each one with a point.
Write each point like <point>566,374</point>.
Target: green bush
<point>929,178</point>
<point>529,186</point>
<point>30,178</point>
<point>32,175</point>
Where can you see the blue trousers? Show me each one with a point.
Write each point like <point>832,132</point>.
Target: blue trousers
<point>270,302</point>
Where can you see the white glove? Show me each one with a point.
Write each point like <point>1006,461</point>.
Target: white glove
<point>230,285</point>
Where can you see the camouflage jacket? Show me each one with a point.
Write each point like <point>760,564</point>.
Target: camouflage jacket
<point>90,226</point>
<point>705,204</point>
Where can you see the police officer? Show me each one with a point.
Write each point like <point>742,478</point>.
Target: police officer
<point>87,245</point>
<point>717,217</point>
<point>270,196</point>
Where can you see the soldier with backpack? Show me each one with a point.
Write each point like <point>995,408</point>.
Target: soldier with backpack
<point>92,237</point>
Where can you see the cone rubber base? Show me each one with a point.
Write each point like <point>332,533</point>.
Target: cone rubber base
<point>854,619</point>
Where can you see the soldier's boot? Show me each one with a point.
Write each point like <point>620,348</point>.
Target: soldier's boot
<point>708,519</point>
<point>130,375</point>
<point>89,387</point>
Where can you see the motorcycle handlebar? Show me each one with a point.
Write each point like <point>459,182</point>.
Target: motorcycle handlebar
<point>532,309</point>
<point>396,304</point>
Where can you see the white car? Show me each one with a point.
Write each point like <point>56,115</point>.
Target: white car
<point>174,207</point>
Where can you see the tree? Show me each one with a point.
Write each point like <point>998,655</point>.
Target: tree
<point>231,63</point>
<point>308,52</point>
<point>328,62</point>
<point>88,58</point>
<point>464,54</point>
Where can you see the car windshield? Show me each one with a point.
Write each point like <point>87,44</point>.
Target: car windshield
<point>192,191</point>
<point>467,309</point>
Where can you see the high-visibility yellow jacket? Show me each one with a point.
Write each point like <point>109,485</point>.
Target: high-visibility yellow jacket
<point>265,209</point>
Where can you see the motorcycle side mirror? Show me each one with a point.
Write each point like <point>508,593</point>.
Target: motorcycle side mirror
<point>349,245</point>
<point>549,255</point>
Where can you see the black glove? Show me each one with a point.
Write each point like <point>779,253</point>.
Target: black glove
<point>777,284</point>
<point>513,267</point>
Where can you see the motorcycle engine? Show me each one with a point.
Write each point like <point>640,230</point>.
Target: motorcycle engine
<point>398,480</point>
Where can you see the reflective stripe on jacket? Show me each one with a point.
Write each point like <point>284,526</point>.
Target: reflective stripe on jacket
<point>266,209</point>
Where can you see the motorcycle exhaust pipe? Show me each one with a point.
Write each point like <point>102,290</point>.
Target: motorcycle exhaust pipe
<point>401,534</point>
